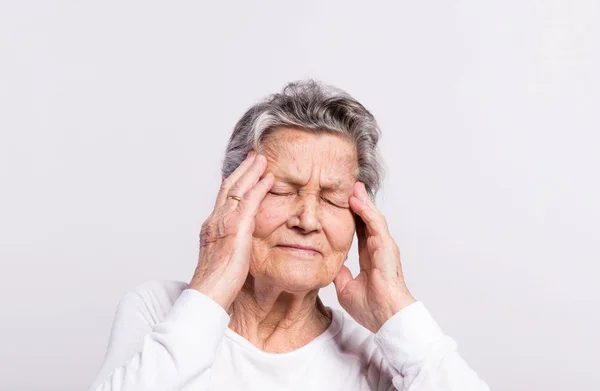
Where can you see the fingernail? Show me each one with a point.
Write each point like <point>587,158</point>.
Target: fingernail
<point>251,154</point>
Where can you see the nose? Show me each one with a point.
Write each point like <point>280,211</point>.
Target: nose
<point>305,217</point>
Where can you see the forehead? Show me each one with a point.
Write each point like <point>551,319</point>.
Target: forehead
<point>298,155</point>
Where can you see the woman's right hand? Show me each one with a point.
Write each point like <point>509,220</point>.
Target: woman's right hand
<point>226,235</point>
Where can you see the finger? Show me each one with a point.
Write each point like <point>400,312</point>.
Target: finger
<point>246,181</point>
<point>253,197</point>
<point>342,279</point>
<point>364,207</point>
<point>364,256</point>
<point>226,183</point>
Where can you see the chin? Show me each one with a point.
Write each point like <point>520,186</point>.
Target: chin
<point>298,278</point>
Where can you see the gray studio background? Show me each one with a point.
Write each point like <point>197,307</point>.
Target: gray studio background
<point>114,118</point>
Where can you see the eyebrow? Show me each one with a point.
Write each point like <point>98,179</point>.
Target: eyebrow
<point>335,185</point>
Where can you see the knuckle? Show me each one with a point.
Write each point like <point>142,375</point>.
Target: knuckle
<point>207,233</point>
<point>235,190</point>
<point>392,246</point>
<point>368,215</point>
<point>225,185</point>
<point>228,222</point>
<point>345,295</point>
<point>243,204</point>
<point>206,223</point>
<point>374,241</point>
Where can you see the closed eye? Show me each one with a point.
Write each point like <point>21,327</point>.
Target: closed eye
<point>280,194</point>
<point>334,203</point>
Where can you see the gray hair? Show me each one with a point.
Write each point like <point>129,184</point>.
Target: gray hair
<point>310,105</point>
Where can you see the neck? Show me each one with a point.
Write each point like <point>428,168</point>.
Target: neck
<point>275,320</point>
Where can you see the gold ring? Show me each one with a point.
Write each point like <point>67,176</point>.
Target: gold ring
<point>235,197</point>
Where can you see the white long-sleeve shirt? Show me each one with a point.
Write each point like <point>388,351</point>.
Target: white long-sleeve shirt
<point>168,337</point>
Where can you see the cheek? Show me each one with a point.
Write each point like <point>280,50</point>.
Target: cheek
<point>271,214</point>
<point>339,227</point>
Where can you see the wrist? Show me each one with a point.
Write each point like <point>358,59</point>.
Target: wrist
<point>214,294</point>
<point>398,304</point>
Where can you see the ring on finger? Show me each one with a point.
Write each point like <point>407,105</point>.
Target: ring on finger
<point>237,198</point>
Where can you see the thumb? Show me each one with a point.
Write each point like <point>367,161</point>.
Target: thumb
<point>342,279</point>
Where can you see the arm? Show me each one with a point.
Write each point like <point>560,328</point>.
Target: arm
<point>182,348</point>
<point>166,355</point>
<point>424,358</point>
<point>378,299</point>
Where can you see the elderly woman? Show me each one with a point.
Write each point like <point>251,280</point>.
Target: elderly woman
<point>300,173</point>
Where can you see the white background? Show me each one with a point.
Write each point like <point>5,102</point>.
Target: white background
<point>114,117</point>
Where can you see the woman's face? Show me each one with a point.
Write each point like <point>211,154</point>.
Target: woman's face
<point>306,207</point>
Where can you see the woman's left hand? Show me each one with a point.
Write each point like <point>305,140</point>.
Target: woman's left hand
<point>379,290</point>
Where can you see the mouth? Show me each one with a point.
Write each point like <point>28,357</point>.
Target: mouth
<point>300,249</point>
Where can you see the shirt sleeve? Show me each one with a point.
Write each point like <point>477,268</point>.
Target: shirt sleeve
<point>167,355</point>
<point>424,358</point>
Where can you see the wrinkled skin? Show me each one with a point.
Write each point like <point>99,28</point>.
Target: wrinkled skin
<point>301,190</point>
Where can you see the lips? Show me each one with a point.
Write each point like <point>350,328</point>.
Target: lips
<point>300,247</point>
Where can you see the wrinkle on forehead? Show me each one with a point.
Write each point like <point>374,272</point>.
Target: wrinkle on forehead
<point>324,159</point>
